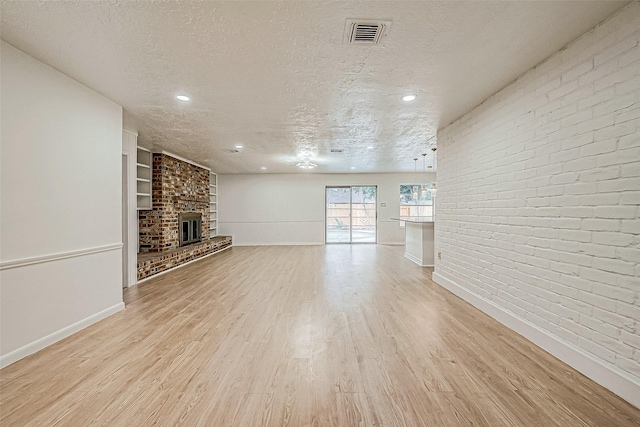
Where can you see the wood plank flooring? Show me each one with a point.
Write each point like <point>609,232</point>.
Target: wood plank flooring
<point>300,336</point>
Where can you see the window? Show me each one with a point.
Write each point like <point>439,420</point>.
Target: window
<point>416,200</point>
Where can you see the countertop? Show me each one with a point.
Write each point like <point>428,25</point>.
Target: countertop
<point>417,219</point>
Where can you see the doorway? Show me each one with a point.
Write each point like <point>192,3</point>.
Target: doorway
<point>351,214</point>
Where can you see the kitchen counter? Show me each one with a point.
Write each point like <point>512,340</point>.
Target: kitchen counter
<point>419,239</point>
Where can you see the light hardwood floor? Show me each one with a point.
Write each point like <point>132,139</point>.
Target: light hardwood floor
<point>336,336</point>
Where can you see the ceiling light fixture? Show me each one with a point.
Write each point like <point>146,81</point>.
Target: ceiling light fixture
<point>370,147</point>
<point>423,191</point>
<point>408,98</point>
<point>184,98</point>
<point>434,190</point>
<point>353,167</point>
<point>414,189</point>
<point>238,146</point>
<point>306,164</point>
<point>264,168</point>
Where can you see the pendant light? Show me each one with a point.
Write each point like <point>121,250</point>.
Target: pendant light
<point>433,186</point>
<point>414,192</point>
<point>423,191</point>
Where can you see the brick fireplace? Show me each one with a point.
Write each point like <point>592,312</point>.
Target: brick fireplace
<point>178,188</point>
<point>180,193</point>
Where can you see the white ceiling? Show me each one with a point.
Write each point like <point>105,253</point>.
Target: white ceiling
<point>276,78</point>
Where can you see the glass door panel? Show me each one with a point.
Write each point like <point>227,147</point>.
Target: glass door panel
<point>363,214</point>
<point>351,214</point>
<point>338,201</point>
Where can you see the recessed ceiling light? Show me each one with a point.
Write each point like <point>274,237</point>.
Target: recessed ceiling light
<point>370,147</point>
<point>353,167</point>
<point>183,98</point>
<point>238,146</point>
<point>408,98</point>
<point>264,168</point>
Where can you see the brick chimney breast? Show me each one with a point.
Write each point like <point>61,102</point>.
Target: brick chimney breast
<point>177,187</point>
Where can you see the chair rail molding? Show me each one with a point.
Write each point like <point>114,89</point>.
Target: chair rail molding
<point>4,265</point>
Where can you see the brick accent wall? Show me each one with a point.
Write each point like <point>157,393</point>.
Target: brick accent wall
<point>177,186</point>
<point>538,201</point>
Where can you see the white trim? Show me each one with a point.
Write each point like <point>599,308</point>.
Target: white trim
<point>271,222</point>
<point>54,337</point>
<point>130,132</point>
<point>609,377</point>
<point>153,276</point>
<point>281,244</point>
<point>412,258</point>
<point>175,156</point>
<point>4,265</point>
<point>316,244</point>
<point>130,146</point>
<point>417,260</point>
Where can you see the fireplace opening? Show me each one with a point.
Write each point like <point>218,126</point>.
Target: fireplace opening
<point>190,227</point>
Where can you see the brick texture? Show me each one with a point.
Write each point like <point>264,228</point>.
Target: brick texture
<point>539,191</point>
<point>154,263</point>
<point>177,186</point>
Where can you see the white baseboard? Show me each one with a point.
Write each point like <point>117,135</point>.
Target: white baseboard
<point>281,244</point>
<point>609,377</point>
<point>308,244</point>
<point>416,260</point>
<point>43,342</point>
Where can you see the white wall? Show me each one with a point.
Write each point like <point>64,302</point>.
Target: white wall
<point>60,206</point>
<point>268,209</point>
<point>538,205</point>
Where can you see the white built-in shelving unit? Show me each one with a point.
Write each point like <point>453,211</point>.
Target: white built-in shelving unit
<point>213,204</point>
<point>143,181</point>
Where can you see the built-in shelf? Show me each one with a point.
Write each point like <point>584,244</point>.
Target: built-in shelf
<point>143,179</point>
<point>213,204</point>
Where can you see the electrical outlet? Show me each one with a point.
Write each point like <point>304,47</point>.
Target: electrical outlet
<point>439,255</point>
<point>383,205</point>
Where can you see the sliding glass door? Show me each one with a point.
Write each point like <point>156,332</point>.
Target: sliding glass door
<point>351,214</point>
<point>363,214</point>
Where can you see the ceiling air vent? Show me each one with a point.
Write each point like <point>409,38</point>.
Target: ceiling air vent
<point>365,32</point>
<point>337,150</point>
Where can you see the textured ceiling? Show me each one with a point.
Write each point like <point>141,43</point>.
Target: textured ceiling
<point>276,78</point>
